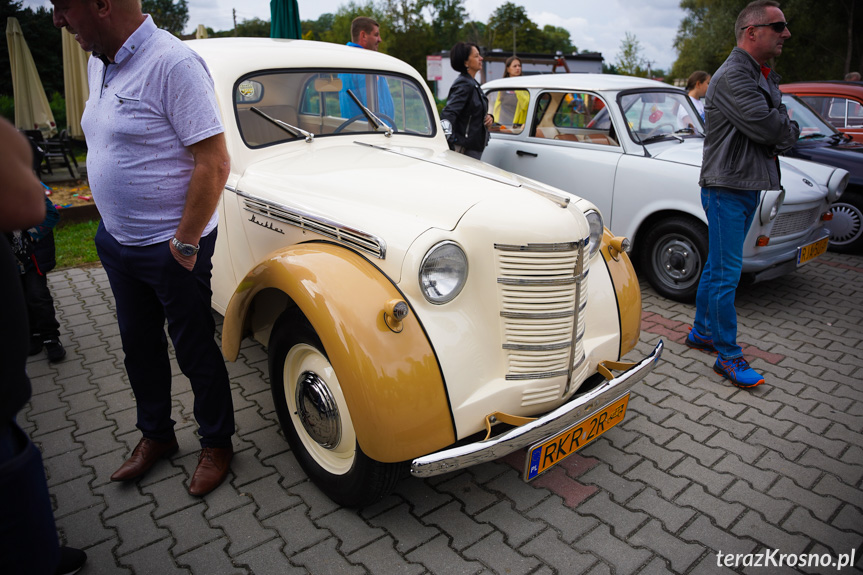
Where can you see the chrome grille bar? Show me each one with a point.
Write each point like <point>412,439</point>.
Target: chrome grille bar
<point>541,298</point>
<point>346,235</point>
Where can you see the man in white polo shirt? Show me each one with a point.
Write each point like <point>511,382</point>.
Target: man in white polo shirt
<point>157,164</point>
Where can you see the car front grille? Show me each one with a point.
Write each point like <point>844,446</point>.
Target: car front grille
<point>543,294</point>
<point>790,223</point>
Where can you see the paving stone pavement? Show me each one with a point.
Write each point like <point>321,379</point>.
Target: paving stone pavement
<point>698,467</point>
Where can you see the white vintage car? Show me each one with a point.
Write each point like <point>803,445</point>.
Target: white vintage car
<point>421,310</point>
<point>633,147</point>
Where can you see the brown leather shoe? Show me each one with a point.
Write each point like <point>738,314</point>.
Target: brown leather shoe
<point>214,463</point>
<point>144,456</point>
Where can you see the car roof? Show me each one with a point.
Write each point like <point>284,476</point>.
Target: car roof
<point>832,87</point>
<point>232,55</point>
<point>595,82</point>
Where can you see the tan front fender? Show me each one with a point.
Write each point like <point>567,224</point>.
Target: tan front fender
<point>627,290</point>
<point>391,381</point>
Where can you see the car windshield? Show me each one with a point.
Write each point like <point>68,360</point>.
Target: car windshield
<point>277,106</point>
<point>653,115</point>
<point>811,124</point>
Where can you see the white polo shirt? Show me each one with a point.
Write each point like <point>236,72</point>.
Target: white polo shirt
<point>142,112</point>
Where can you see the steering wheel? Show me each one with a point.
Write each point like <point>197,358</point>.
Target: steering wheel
<point>359,117</point>
<point>658,128</point>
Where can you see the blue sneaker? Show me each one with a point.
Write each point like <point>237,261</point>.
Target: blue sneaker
<point>738,371</point>
<point>696,341</point>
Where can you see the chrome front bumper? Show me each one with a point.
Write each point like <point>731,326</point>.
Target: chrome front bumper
<point>537,430</point>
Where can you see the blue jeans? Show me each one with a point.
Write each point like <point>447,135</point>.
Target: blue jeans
<point>149,287</point>
<point>729,215</point>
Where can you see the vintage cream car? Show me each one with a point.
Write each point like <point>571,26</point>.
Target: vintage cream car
<point>412,301</point>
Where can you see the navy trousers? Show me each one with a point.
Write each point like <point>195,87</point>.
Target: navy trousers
<point>150,287</point>
<point>28,538</point>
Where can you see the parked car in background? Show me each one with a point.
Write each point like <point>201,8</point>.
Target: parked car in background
<point>820,142</point>
<point>840,103</point>
<point>633,147</point>
<point>413,301</point>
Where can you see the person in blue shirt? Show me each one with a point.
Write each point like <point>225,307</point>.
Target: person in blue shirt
<point>365,34</point>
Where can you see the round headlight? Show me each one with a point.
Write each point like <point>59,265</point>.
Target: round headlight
<point>770,205</point>
<point>836,184</point>
<point>443,272</point>
<point>594,220</point>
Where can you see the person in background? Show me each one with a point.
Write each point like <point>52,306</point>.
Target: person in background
<point>747,127</point>
<point>466,109</point>
<point>365,34</point>
<point>852,77</point>
<point>28,537</point>
<point>157,196</point>
<point>510,106</point>
<point>696,88</point>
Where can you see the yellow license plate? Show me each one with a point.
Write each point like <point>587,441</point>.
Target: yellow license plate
<point>811,251</point>
<point>542,456</point>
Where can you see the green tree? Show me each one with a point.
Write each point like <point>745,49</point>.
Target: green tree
<point>825,38</point>
<point>556,39</point>
<point>447,20</point>
<point>315,29</point>
<point>472,31</point>
<point>340,29</point>
<point>510,29</point>
<point>168,14</point>
<point>409,35</point>
<point>630,61</point>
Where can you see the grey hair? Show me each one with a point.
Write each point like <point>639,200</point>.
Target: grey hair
<point>750,15</point>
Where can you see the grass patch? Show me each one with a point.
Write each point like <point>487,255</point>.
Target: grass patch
<point>75,245</point>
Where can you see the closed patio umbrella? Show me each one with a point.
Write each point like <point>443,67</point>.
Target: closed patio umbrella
<point>75,80</point>
<point>32,111</point>
<point>201,32</point>
<point>285,19</point>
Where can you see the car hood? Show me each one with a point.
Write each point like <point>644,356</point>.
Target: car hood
<point>687,152</point>
<point>443,186</point>
<point>315,179</point>
<point>847,155</point>
<point>795,177</point>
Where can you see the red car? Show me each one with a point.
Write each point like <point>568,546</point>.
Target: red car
<point>840,103</point>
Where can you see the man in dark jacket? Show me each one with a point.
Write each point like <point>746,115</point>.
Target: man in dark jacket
<point>747,127</point>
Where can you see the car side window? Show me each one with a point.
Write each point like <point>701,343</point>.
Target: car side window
<point>575,117</point>
<point>509,109</point>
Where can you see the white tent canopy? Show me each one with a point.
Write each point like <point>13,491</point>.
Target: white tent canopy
<point>32,111</point>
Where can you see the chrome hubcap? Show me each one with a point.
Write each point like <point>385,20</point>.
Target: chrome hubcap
<point>846,225</point>
<point>317,410</point>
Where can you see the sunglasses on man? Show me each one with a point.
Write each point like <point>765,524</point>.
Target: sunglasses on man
<point>777,27</point>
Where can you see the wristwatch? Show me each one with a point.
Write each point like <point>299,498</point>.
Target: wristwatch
<point>185,249</point>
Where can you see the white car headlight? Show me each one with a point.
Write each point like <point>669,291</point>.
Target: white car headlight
<point>594,220</point>
<point>443,272</point>
<point>773,200</point>
<point>836,184</point>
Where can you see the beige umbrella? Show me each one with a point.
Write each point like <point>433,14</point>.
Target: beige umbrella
<point>201,32</point>
<point>32,111</point>
<point>75,80</point>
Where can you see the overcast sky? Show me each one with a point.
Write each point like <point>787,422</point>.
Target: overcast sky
<point>593,25</point>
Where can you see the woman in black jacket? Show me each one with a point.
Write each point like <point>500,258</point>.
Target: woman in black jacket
<point>467,106</point>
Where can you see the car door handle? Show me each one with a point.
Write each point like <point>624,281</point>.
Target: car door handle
<point>523,153</point>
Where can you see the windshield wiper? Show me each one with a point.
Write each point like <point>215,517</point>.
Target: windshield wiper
<point>376,122</point>
<point>811,136</point>
<point>661,137</point>
<point>292,130</point>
